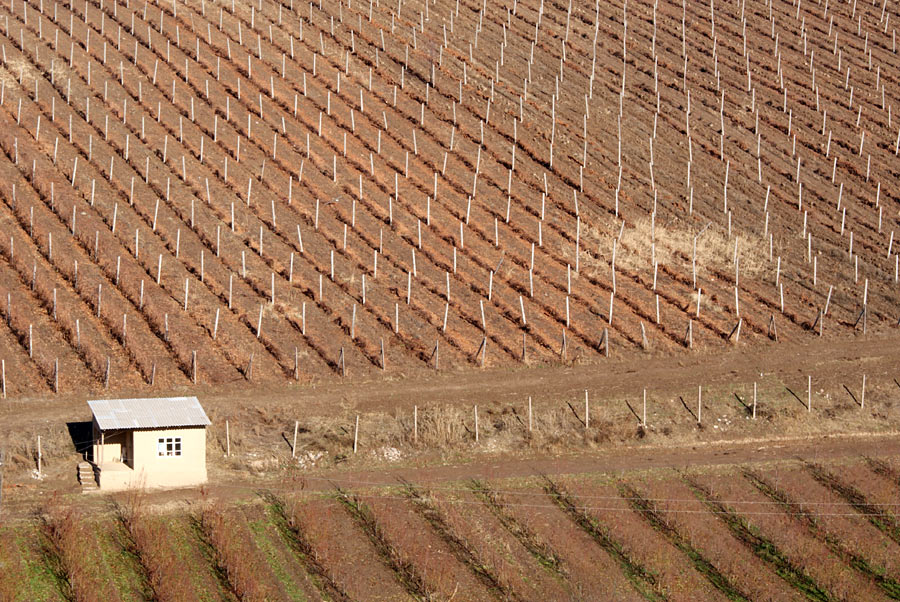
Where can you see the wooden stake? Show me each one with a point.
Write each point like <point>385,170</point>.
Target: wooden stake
<point>356,434</point>
<point>3,377</point>
<point>809,393</point>
<point>415,424</point>
<point>700,405</point>
<point>587,411</point>
<point>754,401</point>
<point>476,424</point>
<point>227,439</point>
<point>294,445</point>
<point>862,397</point>
<point>644,419</point>
<point>529,415</point>
<point>39,456</point>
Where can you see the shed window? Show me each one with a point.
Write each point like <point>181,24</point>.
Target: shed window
<point>169,446</point>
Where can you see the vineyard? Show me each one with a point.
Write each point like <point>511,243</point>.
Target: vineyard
<point>782,531</point>
<point>202,192</point>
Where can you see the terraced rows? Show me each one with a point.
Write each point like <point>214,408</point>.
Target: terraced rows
<point>275,191</point>
<point>784,532</point>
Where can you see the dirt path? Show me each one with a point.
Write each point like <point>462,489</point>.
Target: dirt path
<point>629,459</point>
<point>831,364</point>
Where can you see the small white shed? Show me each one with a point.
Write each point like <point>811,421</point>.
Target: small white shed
<point>151,442</point>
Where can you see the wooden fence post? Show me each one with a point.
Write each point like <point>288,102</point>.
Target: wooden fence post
<point>415,424</point>
<point>294,445</point>
<point>754,401</point>
<point>476,424</point>
<point>862,398</point>
<point>587,411</point>
<point>356,434</point>
<point>529,414</point>
<point>809,393</point>
<point>1,482</point>
<point>644,420</point>
<point>227,439</point>
<point>39,455</point>
<point>700,405</point>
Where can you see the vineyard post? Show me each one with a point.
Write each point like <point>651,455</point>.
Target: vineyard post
<point>809,393</point>
<point>862,397</point>
<point>106,374</point>
<point>1,481</point>
<point>356,434</point>
<point>415,424</point>
<point>194,366</point>
<point>3,377</point>
<point>476,424</point>
<point>754,400</point>
<point>529,414</point>
<point>227,439</point>
<point>644,419</point>
<point>39,456</point>
<point>294,444</point>
<point>587,411</point>
<point>700,404</point>
<point>296,363</point>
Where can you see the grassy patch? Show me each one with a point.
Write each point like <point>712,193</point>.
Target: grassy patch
<point>649,512</point>
<point>538,548</point>
<point>881,520</point>
<point>262,538</point>
<point>761,546</point>
<point>123,564</point>
<point>460,548</point>
<point>297,541</point>
<point>640,578</point>
<point>889,585</point>
<point>23,574</point>
<point>405,571</point>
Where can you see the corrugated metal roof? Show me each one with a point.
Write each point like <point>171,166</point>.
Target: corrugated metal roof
<point>157,412</point>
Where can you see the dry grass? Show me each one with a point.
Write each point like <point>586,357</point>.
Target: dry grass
<point>674,248</point>
<point>169,578</point>
<point>10,567</point>
<point>72,546</point>
<point>236,554</point>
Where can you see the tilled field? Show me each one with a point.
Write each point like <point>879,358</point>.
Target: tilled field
<point>208,192</point>
<point>784,531</point>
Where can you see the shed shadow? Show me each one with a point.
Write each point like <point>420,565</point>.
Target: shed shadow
<point>81,434</point>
